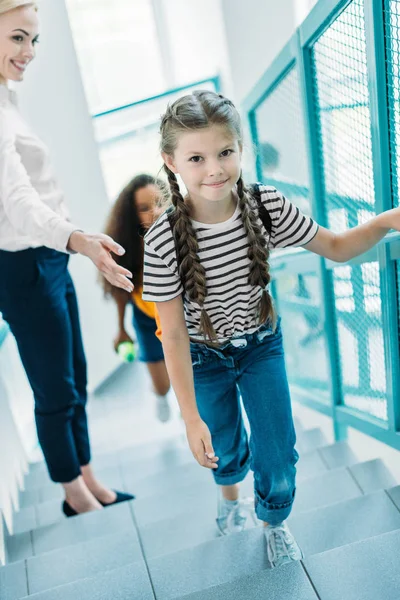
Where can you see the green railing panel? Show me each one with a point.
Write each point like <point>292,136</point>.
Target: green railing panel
<point>360,337</point>
<point>344,318</point>
<point>283,157</point>
<point>342,104</point>
<point>298,299</point>
<point>392,43</point>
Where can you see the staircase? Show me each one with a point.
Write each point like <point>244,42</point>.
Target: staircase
<point>164,545</point>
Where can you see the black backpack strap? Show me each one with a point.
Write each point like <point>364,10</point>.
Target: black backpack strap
<point>262,211</point>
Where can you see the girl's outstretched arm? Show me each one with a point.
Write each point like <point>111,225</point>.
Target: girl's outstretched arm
<point>341,247</point>
<point>176,347</point>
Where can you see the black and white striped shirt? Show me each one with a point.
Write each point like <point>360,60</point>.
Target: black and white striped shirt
<point>231,301</point>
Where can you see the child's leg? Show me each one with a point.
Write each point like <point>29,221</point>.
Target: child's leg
<point>159,377</point>
<point>265,393</point>
<point>218,402</point>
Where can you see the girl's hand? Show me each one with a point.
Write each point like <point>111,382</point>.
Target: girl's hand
<point>199,439</point>
<point>98,248</point>
<point>121,337</point>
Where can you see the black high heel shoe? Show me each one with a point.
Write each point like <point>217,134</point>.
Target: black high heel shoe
<point>68,510</point>
<point>121,497</point>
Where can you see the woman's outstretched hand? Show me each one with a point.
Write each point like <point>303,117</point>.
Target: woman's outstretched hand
<point>98,248</point>
<point>199,438</point>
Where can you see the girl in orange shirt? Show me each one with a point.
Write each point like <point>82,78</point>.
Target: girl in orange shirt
<point>134,211</point>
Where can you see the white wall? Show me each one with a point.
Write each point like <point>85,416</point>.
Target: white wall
<point>53,101</point>
<point>196,39</point>
<point>256,31</point>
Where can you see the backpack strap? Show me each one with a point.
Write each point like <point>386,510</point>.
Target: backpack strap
<point>262,211</point>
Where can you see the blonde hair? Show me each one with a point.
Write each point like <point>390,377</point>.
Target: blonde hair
<point>7,5</point>
<point>193,112</point>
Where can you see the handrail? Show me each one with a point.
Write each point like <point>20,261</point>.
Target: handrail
<point>216,80</point>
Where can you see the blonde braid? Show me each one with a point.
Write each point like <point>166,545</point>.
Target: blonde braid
<point>191,271</point>
<point>258,253</point>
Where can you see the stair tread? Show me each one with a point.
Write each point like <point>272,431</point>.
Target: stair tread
<point>13,583</point>
<point>71,531</point>
<point>344,523</point>
<point>286,583</point>
<point>117,584</point>
<point>377,559</point>
<point>87,559</point>
<point>209,564</point>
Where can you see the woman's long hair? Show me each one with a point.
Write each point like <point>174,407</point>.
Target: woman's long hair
<point>124,226</point>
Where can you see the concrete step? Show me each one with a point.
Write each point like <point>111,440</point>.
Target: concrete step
<point>367,570</point>
<point>126,583</point>
<point>289,582</point>
<point>209,564</point>
<point>344,523</point>
<point>82,528</point>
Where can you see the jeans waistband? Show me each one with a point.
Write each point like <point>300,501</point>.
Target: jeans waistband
<point>237,342</point>
<point>21,255</point>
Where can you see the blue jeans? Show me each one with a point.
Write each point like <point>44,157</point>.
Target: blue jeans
<point>252,367</point>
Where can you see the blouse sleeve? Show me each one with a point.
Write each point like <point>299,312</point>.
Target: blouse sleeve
<point>22,204</point>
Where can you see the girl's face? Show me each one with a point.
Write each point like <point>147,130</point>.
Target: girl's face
<point>208,160</point>
<point>147,200</point>
<point>18,37</point>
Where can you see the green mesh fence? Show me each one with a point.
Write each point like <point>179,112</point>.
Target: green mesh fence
<point>341,97</point>
<point>298,299</point>
<point>342,102</point>
<point>284,156</point>
<point>392,39</point>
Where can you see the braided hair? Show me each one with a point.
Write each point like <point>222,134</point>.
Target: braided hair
<point>200,110</point>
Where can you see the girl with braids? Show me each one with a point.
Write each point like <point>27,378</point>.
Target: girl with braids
<point>132,214</point>
<point>206,267</point>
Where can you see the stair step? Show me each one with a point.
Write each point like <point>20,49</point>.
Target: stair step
<point>310,439</point>
<point>13,581</point>
<point>87,559</point>
<point>394,494</point>
<point>169,479</point>
<point>289,582</point>
<point>323,490</point>
<point>373,475</point>
<point>209,564</point>
<point>125,583</point>
<point>71,531</point>
<point>337,455</point>
<point>368,569</point>
<point>344,523</point>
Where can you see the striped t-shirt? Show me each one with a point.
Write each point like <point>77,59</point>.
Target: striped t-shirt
<point>231,301</point>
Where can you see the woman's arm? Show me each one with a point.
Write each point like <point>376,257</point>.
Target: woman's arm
<point>176,346</point>
<point>342,247</point>
<point>32,217</point>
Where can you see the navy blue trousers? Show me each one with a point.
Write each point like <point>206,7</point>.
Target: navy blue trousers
<point>38,301</point>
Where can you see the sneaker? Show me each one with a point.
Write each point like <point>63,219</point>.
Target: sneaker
<point>230,517</point>
<point>281,545</point>
<point>162,408</point>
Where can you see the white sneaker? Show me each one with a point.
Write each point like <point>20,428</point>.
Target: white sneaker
<point>281,545</point>
<point>230,518</point>
<point>162,408</point>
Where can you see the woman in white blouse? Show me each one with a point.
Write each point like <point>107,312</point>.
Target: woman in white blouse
<point>37,297</point>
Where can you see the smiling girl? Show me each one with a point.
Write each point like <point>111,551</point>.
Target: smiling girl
<point>206,267</point>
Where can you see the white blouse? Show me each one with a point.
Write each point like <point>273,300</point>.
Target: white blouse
<point>32,207</point>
